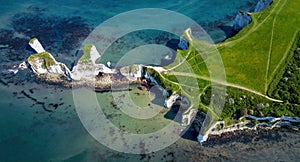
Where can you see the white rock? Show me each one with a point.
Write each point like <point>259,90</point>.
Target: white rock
<point>171,100</point>
<point>201,138</point>
<point>15,71</point>
<point>187,118</point>
<point>38,67</point>
<point>132,72</point>
<point>94,54</point>
<point>138,71</point>
<point>23,65</point>
<point>104,69</point>
<point>36,45</point>
<point>56,69</point>
<point>109,64</point>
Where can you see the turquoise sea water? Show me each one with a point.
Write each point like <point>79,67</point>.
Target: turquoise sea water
<point>38,121</point>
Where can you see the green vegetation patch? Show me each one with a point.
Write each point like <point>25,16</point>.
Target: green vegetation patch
<point>257,53</point>
<point>168,82</point>
<point>251,59</point>
<point>44,56</point>
<point>239,103</point>
<point>32,40</point>
<point>288,81</point>
<point>86,57</point>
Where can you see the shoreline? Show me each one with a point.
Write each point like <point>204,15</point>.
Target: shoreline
<point>246,136</point>
<point>106,86</point>
<point>277,123</point>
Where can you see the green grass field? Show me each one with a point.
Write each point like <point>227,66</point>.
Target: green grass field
<point>251,59</point>
<point>254,55</point>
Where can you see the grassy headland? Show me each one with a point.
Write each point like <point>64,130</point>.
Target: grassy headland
<point>251,60</point>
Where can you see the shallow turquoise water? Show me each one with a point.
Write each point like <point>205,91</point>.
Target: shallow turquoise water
<point>38,122</point>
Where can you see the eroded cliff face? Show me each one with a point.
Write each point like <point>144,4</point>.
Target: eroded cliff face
<point>241,20</point>
<point>262,4</point>
<point>183,44</point>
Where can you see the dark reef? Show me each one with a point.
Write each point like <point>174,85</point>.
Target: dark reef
<point>62,35</point>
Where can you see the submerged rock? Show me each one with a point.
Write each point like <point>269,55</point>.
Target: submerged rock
<point>262,4</point>
<point>241,20</point>
<point>63,34</point>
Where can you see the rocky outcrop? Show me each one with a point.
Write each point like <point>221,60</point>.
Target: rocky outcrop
<point>132,72</point>
<point>44,63</point>
<point>87,68</point>
<point>23,65</point>
<point>183,44</point>
<point>169,102</point>
<point>85,73</point>
<point>36,45</point>
<point>264,122</point>
<point>188,117</point>
<point>241,20</point>
<point>262,4</point>
<point>273,119</point>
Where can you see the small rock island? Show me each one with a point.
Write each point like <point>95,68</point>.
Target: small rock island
<point>86,72</point>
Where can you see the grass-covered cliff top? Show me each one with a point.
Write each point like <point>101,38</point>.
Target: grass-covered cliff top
<point>45,57</point>
<point>251,59</point>
<point>256,54</point>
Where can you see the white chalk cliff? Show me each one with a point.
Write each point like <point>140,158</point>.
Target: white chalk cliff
<point>43,62</point>
<point>36,45</point>
<point>86,67</point>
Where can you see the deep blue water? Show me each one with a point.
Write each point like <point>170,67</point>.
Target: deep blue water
<point>38,122</point>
